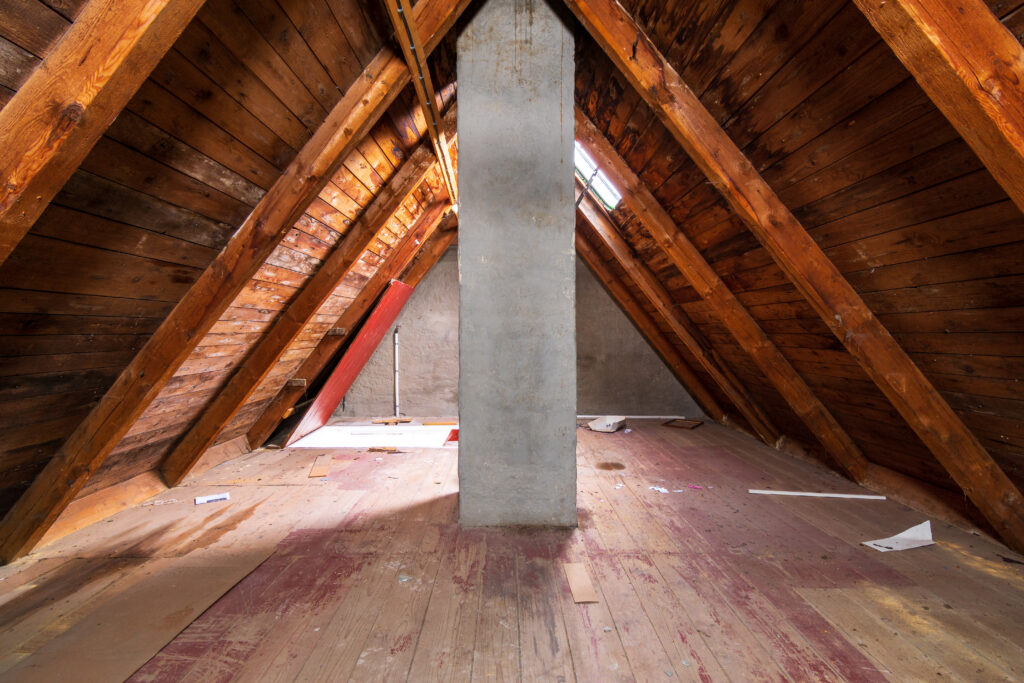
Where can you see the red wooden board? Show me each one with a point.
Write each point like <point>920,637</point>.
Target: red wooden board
<point>351,364</point>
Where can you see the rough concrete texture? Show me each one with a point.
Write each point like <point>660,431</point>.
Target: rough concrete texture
<point>617,372</point>
<point>517,378</point>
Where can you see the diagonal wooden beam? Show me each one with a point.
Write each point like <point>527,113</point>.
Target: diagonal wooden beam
<point>426,254</point>
<point>676,319</point>
<point>972,68</point>
<point>267,351</point>
<point>727,308</point>
<point>201,307</point>
<point>56,117</point>
<point>645,323</point>
<point>806,265</point>
<point>408,36</point>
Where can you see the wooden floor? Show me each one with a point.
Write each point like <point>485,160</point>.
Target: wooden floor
<point>365,575</point>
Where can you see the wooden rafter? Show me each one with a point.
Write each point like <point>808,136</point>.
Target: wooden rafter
<point>972,68</point>
<point>408,36</point>
<point>807,266</point>
<point>140,383</point>
<point>56,117</point>
<point>676,319</point>
<point>267,351</point>
<point>645,323</point>
<point>425,252</point>
<point>722,302</point>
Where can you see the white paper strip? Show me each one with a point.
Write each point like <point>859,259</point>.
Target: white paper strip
<point>914,537</point>
<point>812,494</point>
<point>212,497</point>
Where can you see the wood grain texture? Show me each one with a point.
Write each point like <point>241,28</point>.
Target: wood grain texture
<point>840,307</point>
<point>727,308</point>
<point>972,68</point>
<point>55,118</point>
<point>85,450</point>
<point>681,327</point>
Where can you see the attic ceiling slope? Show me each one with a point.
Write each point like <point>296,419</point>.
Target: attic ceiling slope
<point>801,258</point>
<point>80,456</point>
<point>54,119</point>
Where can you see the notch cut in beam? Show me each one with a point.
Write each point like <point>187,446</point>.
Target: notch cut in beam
<point>141,382</point>
<point>676,319</point>
<point>807,266</point>
<point>723,303</point>
<point>73,96</point>
<point>972,68</point>
<point>645,323</point>
<point>407,35</point>
<point>281,405</point>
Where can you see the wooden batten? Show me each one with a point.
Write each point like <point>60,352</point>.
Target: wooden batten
<point>681,326</point>
<point>972,68</point>
<point>140,383</point>
<point>325,350</point>
<point>646,325</point>
<point>802,260</point>
<point>732,314</point>
<point>57,116</point>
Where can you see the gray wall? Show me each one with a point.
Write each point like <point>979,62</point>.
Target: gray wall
<point>616,371</point>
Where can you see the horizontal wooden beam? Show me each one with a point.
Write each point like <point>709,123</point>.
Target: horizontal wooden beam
<point>73,96</point>
<point>326,349</point>
<point>201,307</point>
<point>972,68</point>
<point>647,327</point>
<point>723,303</point>
<point>807,266</point>
<point>676,319</point>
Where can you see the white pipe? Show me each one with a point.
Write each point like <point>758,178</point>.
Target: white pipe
<point>397,414</point>
<point>642,417</point>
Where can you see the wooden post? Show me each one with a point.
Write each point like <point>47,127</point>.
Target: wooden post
<point>732,314</point>
<point>400,259</point>
<point>972,68</point>
<point>201,307</point>
<point>676,319</point>
<point>56,117</point>
<point>665,348</point>
<point>806,265</point>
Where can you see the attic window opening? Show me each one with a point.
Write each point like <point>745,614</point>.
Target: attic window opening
<point>600,186</point>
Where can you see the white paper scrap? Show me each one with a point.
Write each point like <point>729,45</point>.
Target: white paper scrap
<point>914,537</point>
<point>608,423</point>
<point>212,498</point>
<point>659,489</point>
<point>812,494</point>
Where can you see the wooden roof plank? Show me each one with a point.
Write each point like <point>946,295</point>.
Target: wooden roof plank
<point>727,308</point>
<point>684,330</point>
<point>645,323</point>
<point>972,68</point>
<point>398,262</point>
<point>56,117</point>
<point>266,353</point>
<point>140,383</point>
<point>799,256</point>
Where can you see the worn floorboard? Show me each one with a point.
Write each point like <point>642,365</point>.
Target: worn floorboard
<point>370,578</point>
